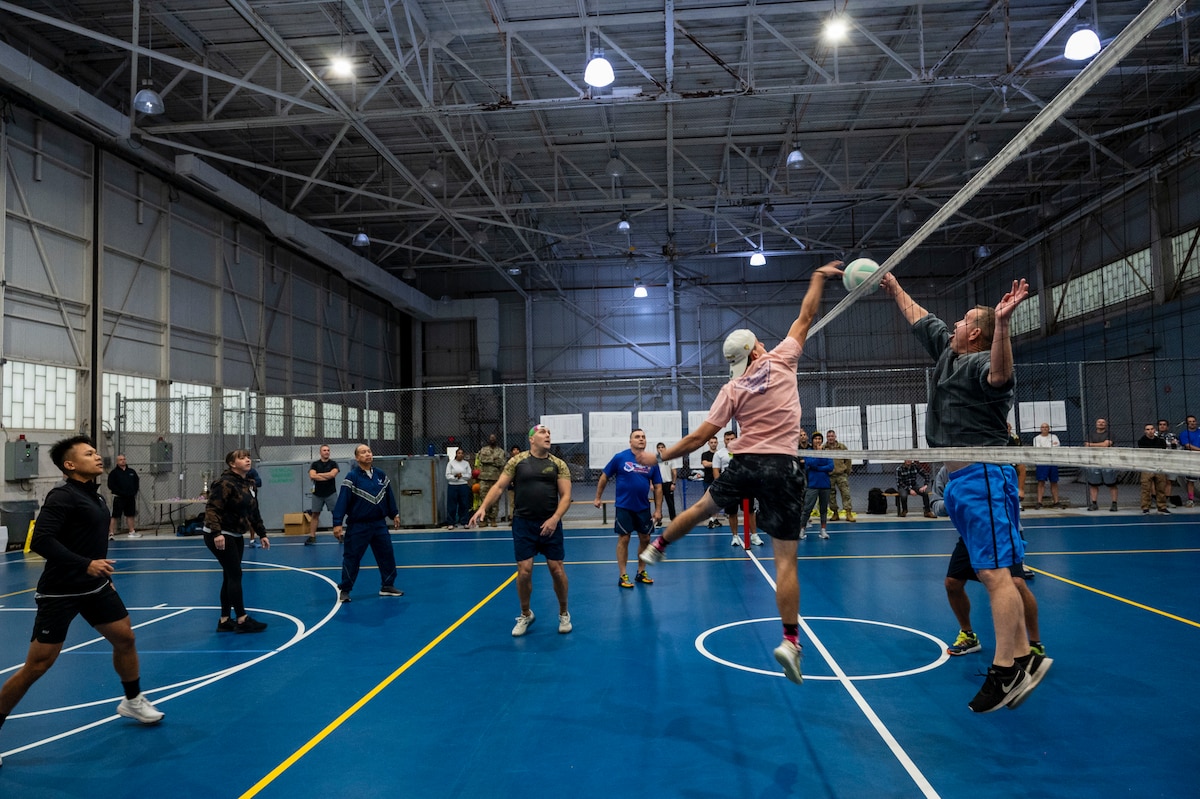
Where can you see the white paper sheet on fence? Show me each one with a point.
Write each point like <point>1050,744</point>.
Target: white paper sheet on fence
<point>846,421</point>
<point>664,426</point>
<point>1034,413</point>
<point>888,427</point>
<point>565,428</point>
<point>608,434</point>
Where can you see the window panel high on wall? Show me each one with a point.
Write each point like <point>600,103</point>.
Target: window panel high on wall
<point>38,396</point>
<point>139,416</point>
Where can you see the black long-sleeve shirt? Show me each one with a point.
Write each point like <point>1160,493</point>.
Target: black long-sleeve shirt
<point>71,531</point>
<point>123,482</point>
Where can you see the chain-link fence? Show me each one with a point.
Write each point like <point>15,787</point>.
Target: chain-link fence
<point>178,445</point>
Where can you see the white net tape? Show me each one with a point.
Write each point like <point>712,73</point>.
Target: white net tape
<point>1121,458</point>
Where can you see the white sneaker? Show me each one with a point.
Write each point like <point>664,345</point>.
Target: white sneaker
<point>736,542</point>
<point>788,655</point>
<point>140,709</point>
<point>523,623</point>
<point>756,540</point>
<point>824,534</point>
<point>803,535</point>
<point>651,554</point>
<point>564,622</point>
<point>134,534</point>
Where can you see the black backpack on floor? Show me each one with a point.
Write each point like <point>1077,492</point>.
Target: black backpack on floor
<point>876,502</point>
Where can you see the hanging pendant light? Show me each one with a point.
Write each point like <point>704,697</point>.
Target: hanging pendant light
<point>599,73</point>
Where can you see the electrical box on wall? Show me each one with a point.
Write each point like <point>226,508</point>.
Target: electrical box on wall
<point>162,457</point>
<point>20,460</point>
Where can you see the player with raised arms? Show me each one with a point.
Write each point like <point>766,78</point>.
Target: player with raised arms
<point>763,396</point>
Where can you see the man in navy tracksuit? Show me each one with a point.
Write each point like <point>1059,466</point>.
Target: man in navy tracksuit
<point>366,502</point>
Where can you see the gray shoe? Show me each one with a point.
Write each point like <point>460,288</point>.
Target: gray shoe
<point>390,590</point>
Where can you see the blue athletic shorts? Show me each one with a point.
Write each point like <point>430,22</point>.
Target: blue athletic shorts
<point>776,481</point>
<point>528,540</point>
<point>633,522</point>
<point>981,500</point>
<point>1045,473</point>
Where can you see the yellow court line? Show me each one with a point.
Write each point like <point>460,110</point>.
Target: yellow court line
<point>1106,594</point>
<point>357,706</point>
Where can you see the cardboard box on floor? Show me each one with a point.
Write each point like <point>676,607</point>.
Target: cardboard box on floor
<point>295,523</point>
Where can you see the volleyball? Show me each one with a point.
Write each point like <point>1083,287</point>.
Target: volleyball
<point>857,272</point>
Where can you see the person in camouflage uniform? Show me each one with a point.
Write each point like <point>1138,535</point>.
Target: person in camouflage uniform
<point>490,460</point>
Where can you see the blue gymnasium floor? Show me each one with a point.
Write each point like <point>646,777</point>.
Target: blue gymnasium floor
<point>429,696</point>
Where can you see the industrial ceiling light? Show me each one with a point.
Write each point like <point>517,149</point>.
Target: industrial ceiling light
<point>148,101</point>
<point>408,274</point>
<point>599,72</point>
<point>1083,44</point>
<point>907,215</point>
<point>836,27</point>
<point>361,239</point>
<point>982,251</point>
<point>1151,143</point>
<point>758,259</point>
<point>433,179</point>
<point>976,150</point>
<point>615,167</point>
<point>623,225</point>
<point>795,159</point>
<point>480,236</point>
<point>639,288</point>
<point>514,270</point>
<point>341,66</point>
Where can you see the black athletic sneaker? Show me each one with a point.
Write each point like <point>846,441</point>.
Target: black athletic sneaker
<point>996,693</point>
<point>227,626</point>
<point>1035,666</point>
<point>343,596</point>
<point>250,625</point>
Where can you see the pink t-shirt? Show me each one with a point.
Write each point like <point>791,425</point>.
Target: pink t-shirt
<point>766,403</point>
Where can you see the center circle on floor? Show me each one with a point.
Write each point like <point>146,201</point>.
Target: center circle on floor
<point>811,650</point>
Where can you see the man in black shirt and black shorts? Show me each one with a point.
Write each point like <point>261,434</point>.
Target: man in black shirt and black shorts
<point>71,533</point>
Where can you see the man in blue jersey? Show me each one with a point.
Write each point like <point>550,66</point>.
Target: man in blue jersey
<point>634,483</point>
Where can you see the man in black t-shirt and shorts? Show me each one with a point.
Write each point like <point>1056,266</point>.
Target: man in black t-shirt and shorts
<point>542,496</point>
<point>324,474</point>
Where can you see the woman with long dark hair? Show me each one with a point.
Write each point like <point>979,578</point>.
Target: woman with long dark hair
<point>232,510</point>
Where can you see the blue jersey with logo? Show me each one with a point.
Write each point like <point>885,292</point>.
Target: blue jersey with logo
<point>633,480</point>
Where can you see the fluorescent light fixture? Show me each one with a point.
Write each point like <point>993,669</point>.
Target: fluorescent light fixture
<point>599,72</point>
<point>639,288</point>
<point>623,225</point>
<point>361,239</point>
<point>1083,44</point>
<point>758,259</point>
<point>795,159</point>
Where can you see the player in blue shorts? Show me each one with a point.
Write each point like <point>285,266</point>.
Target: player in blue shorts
<point>634,483</point>
<point>970,397</point>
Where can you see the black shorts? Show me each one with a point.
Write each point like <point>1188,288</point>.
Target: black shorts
<point>776,481</point>
<point>528,540</point>
<point>124,506</point>
<point>55,613</point>
<point>633,521</point>
<point>960,565</point>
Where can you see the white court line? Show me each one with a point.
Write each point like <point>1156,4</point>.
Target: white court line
<point>197,682</point>
<point>884,733</point>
